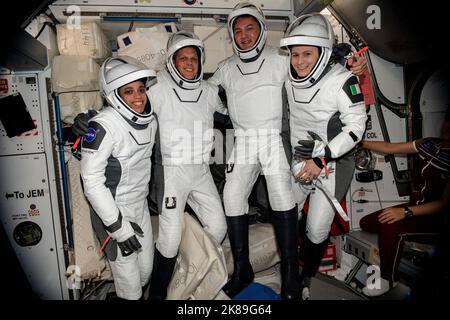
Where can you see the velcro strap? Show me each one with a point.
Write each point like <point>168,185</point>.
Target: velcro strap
<point>116,225</point>
<point>327,152</point>
<point>353,136</point>
<point>318,162</point>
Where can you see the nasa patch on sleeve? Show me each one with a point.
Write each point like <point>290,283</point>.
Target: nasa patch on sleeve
<point>93,139</point>
<point>353,91</point>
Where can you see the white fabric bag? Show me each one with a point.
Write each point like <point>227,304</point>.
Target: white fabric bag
<point>200,271</point>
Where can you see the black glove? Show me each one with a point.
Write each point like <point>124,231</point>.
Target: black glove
<point>122,231</point>
<point>340,52</point>
<point>304,149</point>
<point>132,244</point>
<point>129,246</point>
<point>308,149</point>
<point>81,123</point>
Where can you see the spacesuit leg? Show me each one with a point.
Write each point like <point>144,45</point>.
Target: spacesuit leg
<point>176,188</point>
<point>280,192</point>
<point>276,169</point>
<point>240,180</point>
<point>285,213</point>
<point>286,230</point>
<point>145,256</point>
<point>318,224</point>
<point>320,217</point>
<point>127,280</point>
<point>241,177</point>
<point>204,199</point>
<point>162,274</point>
<point>300,195</point>
<point>241,174</point>
<point>238,187</point>
<point>242,272</point>
<point>132,272</point>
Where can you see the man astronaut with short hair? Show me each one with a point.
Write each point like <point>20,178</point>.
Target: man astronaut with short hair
<point>253,80</point>
<point>185,105</point>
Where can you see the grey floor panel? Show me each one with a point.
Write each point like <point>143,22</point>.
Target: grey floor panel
<point>324,287</point>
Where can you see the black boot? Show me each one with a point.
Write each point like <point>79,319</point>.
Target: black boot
<point>313,254</point>
<point>161,276</point>
<point>144,290</point>
<point>286,231</point>
<point>243,272</point>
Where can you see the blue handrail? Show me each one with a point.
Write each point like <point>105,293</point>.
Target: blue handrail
<point>62,163</point>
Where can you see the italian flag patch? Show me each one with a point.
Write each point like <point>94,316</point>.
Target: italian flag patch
<point>354,88</point>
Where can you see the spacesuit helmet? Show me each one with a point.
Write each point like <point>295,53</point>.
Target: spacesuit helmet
<point>119,71</point>
<point>310,30</point>
<point>246,8</point>
<point>177,41</point>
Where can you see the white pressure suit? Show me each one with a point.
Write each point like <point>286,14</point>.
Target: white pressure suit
<point>115,168</point>
<point>186,134</point>
<point>327,102</point>
<point>329,109</point>
<point>185,109</point>
<point>327,106</point>
<point>253,82</point>
<point>254,100</point>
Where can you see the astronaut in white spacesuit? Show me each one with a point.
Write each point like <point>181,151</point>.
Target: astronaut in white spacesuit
<point>327,120</point>
<point>184,105</point>
<point>253,80</point>
<point>115,168</point>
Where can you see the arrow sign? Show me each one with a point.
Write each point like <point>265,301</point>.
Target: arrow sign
<point>9,195</point>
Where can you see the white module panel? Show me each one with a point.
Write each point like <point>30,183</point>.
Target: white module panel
<point>186,4</point>
<point>390,78</point>
<point>61,8</point>
<point>27,217</point>
<point>367,197</point>
<point>33,140</point>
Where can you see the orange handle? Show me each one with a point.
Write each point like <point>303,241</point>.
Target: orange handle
<point>362,50</point>
<point>77,142</point>
<point>327,173</point>
<point>104,243</point>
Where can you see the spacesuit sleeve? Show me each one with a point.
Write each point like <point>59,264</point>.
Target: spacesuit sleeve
<point>218,78</point>
<point>95,151</point>
<point>353,116</point>
<point>217,102</point>
<point>153,97</point>
<point>285,126</point>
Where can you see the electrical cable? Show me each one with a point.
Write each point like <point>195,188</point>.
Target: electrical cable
<point>51,25</point>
